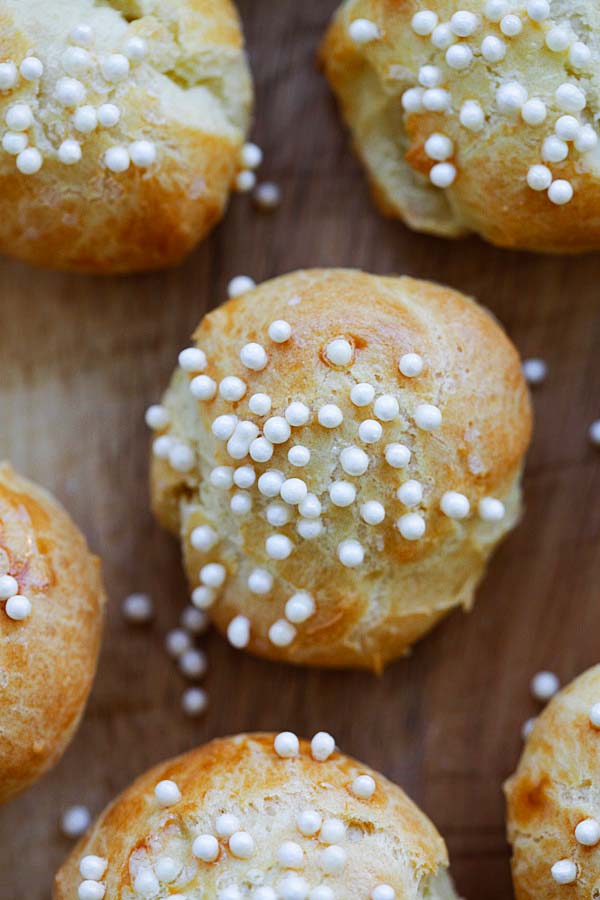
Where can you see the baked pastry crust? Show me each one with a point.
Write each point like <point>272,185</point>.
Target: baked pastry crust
<point>48,660</point>
<point>189,95</point>
<point>370,613</point>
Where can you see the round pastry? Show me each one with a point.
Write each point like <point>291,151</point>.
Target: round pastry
<point>260,817</point>
<point>478,117</point>
<point>51,603</point>
<point>553,802</point>
<point>121,129</point>
<point>340,454</point>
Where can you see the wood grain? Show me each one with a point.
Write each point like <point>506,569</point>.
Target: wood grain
<point>80,359</point>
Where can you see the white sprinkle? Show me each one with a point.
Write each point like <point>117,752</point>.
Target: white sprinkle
<point>213,575</point>
<point>363,787</point>
<point>70,92</point>
<point>142,153</point>
<point>594,715</point>
<point>278,514</point>
<point>202,387</point>
<point>239,285</point>
<point>76,61</point>
<point>309,528</point>
<point>232,388</point>
<point>411,365</point>
<point>93,867</point>
<point>362,394</point>
<point>436,100</point>
<point>410,493</point>
<point>108,115</point>
<point>138,609</point>
<point>587,833</point>
<point>587,139</point>
<point>254,357</point>
<point>260,582</point>
<point>280,331</point>
<point>206,847</point>
<point>167,869</point>
<point>293,491</point>
<point>350,554</point>
<point>115,67</point>
<point>146,883</point>
<point>252,156</point>
<point>412,100</point>
<point>181,458</point>
<point>310,507</point>
<point>442,36</point>
<point>332,860</point>
<point>544,686</point>
<point>495,9</point>
<point>511,25</point>
<point>464,23</point>
<point>570,98</point>
<point>290,855</point>
<point>383,892</point>
<point>157,417</point>
<point>455,505</point>
<point>442,175</point>
<point>91,890</point>
<point>117,159</point>
<point>535,371</point>
<point>440,147</point>
<point>580,55</point>
<point>354,461</point>
<point>287,745</point>
<point>558,39</point>
<point>534,111</point>
<point>238,632</point>
<point>241,503</point>
<point>261,450</point>
<point>282,633</point>
<point>491,509</point>
<point>339,352</point>
<point>193,664</point>
<point>135,48</point>
<point>177,642</point>
<point>333,831</point>
<point>192,359</point>
<point>299,455</point>
<point>69,152</point>
<point>8,76</point>
<point>564,871</point>
<point>267,196</point>
<point>424,22</point>
<point>560,192</point>
<point>18,608</point>
<point>428,417</point>
<point>221,477</point>
<point>245,181</point>
<point>493,48</point>
<point>370,431</point>
<point>386,408</point>
<point>19,117</point>
<point>194,620</point>
<point>278,546</point>
<point>260,404</point>
<point>309,821</point>
<point>411,526</point>
<point>297,414</point>
<point>82,35</point>
<point>342,494</point>
<point>31,68</point>
<point>9,586</point>
<point>277,430</point>
<point>527,728</point>
<point>14,143</point>
<point>322,747</point>
<point>330,416</point>
<point>226,825</point>
<point>203,597</point>
<point>430,76</point>
<point>75,821</point>
<point>510,97</point>
<point>372,512</point>
<point>162,446</point>
<point>538,10</point>
<point>594,433</point>
<point>269,483</point>
<point>299,608</point>
<point>459,56</point>
<point>244,477</point>
<point>539,178</point>
<point>363,31</point>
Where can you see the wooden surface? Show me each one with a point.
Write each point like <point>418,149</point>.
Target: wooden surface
<point>80,360</point>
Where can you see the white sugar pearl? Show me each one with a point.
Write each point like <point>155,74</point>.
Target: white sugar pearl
<point>538,10</point>
<point>239,285</point>
<point>438,146</point>
<point>221,477</point>
<point>29,161</point>
<point>299,608</point>
<point>309,529</point>
<point>527,728</point>
<point>580,55</point>
<point>277,430</point>
<point>383,892</point>
<point>31,68</point>
<point>177,642</point>
<point>330,416</point>
<point>342,493</point>
<point>238,632</point>
<point>278,514</point>
<point>491,509</point>
<point>280,331</point>
<point>18,608</point>
<point>231,892</point>
<point>75,821</point>
<point>8,76</point>
<point>226,825</point>
<point>411,364</point>
<point>333,831</point>
<point>167,793</point>
<point>410,493</point>
<point>570,98</point>
<point>560,192</point>
<point>564,871</point>
<point>493,48</point>
<point>397,455</point>
<point>339,352</point>
<point>241,503</point>
<point>9,586</point>
<point>511,25</point>
<point>252,156</point>
<point>411,526</point>
<point>428,417</point>
<point>91,890</point>
<point>137,609</point>
<point>297,414</point>
<point>19,117</point>
<point>539,178</point>
<point>535,371</point>
<point>245,181</point>
<point>115,67</point>
<point>594,715</point>
<point>278,546</point>
<point>70,92</point>
<point>135,48</point>
<point>510,97</point>
<point>436,100</point>
<point>558,39</point>
<point>202,387</point>
<point>424,22</point>
<point>534,111</point>
<point>455,505</point>
<point>287,745</point>
<point>213,575</point>
<point>269,483</point>
<point>260,404</point>
<point>332,860</point>
<point>167,869</point>
<point>142,153</point>
<point>459,56</point>
<point>76,60</point>
<point>362,394</point>
<point>544,685</point>
<point>239,443</point>
<point>264,893</point>
<point>309,821</point>
<point>464,23</point>
<point>372,512</point>
<point>290,855</point>
<point>310,507</point>
<point>203,597</point>
<point>157,417</point>
<point>206,848</point>
<point>232,388</point>
<point>363,787</point>
<point>322,747</point>
<point>244,476</point>
<point>370,431</point>
<point>386,408</point>
<point>69,152</point>
<point>260,582</point>
<point>495,9</point>
<point>412,100</point>
<point>203,538</point>
<point>181,458</point>
<point>162,446</point>
<point>443,175</point>
<point>14,143</point>
<point>299,455</point>
<point>587,832</point>
<point>354,461</point>
<point>567,128</point>
<point>146,883</point>
<point>363,31</point>
<point>350,554</point>
<point>442,36</point>
<point>117,159</point>
<point>93,867</point>
<point>193,664</point>
<point>195,621</point>
<point>293,491</point>
<point>430,76</point>
<point>108,115</point>
<point>82,35</point>
<point>254,357</point>
<point>586,139</point>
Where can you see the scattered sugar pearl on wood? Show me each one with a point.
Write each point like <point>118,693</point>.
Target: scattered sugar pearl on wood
<point>527,728</point>
<point>363,31</point>
<point>194,702</point>
<point>339,352</point>
<point>138,609</point>
<point>251,156</point>
<point>594,433</point>
<point>239,285</point>
<point>194,620</point>
<point>75,821</point>
<point>491,509</point>
<point>177,642</point>
<point>92,867</point>
<point>535,371</point>
<point>193,664</point>
<point>238,632</point>
<point>18,608</point>
<point>350,553</point>
<point>267,196</point>
<point>91,890</point>
<point>287,745</point>
<point>206,848</point>
<point>544,685</point>
<point>455,505</point>
<point>587,833</point>
<point>9,586</point>
<point>245,181</point>
<point>564,871</point>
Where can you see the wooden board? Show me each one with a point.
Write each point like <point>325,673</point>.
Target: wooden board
<point>81,358</point>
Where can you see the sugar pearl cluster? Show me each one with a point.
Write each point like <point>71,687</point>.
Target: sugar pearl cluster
<point>451,48</point>
<point>80,99</point>
<point>377,434</point>
<point>16,606</point>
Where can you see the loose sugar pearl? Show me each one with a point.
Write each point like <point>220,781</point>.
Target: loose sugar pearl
<point>580,55</point>
<point>203,597</point>
<point>535,371</point>
<point>354,461</point>
<point>411,526</point>
<point>539,178</point>
<point>108,115</point>
<point>544,686</point>
<point>370,431</point>
<point>534,111</point>
<point>411,365</point>
<point>511,25</point>
<point>280,331</point>
<point>428,417</point>
<point>93,867</point>
<point>558,39</point>
<point>206,848</point>
<point>424,22</point>
<point>287,745</point>
<point>245,181</point>
<point>267,196</point>
<point>463,23</point>
<point>252,156</point>
<point>278,546</point>
<point>510,97</point>
<point>91,890</point>
<point>29,161</point>
<point>410,493</point>
<point>282,633</point>
<point>538,10</point>
<point>309,821</point>
<point>493,49</point>
<point>455,505</point>
<point>75,821</point>
<point>238,632</point>
<point>213,575</point>
<point>322,746</point>
<point>203,538</point>
<point>442,36</point>
<point>69,152</point>
<point>290,855</point>
<point>339,352</point>
<point>386,408</point>
<point>299,455</point>
<point>587,833</point>
<point>8,76</point>
<point>363,787</point>
<point>70,92</point>
<point>564,871</point>
<point>14,143</point>
<point>293,491</point>
<point>330,416</point>
<point>19,117</point>
<point>115,67</point>
<point>137,609</point>
<point>351,554</point>
<point>232,388</point>
<point>277,430</point>
<point>459,56</point>
<point>239,285</point>
<point>195,621</point>
<point>397,455</point>
<point>260,582</point>
<point>135,48</point>
<point>594,715</point>
<point>333,831</point>
<point>491,510</point>
<point>142,153</point>
<point>254,357</point>
<point>297,414</point>
<point>560,192</point>
<point>594,433</point>
<point>31,68</point>
<point>278,514</point>
<point>269,483</point>
<point>363,31</point>
<point>362,394</point>
<point>299,608</point>
<point>18,608</point>
<point>438,146</point>
<point>442,175</point>
<point>177,642</point>
<point>372,512</point>
<point>117,159</point>
<point>9,586</point>
<point>342,494</point>
<point>383,892</point>
<point>181,458</point>
<point>332,860</point>
<point>193,664</point>
<point>260,404</point>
